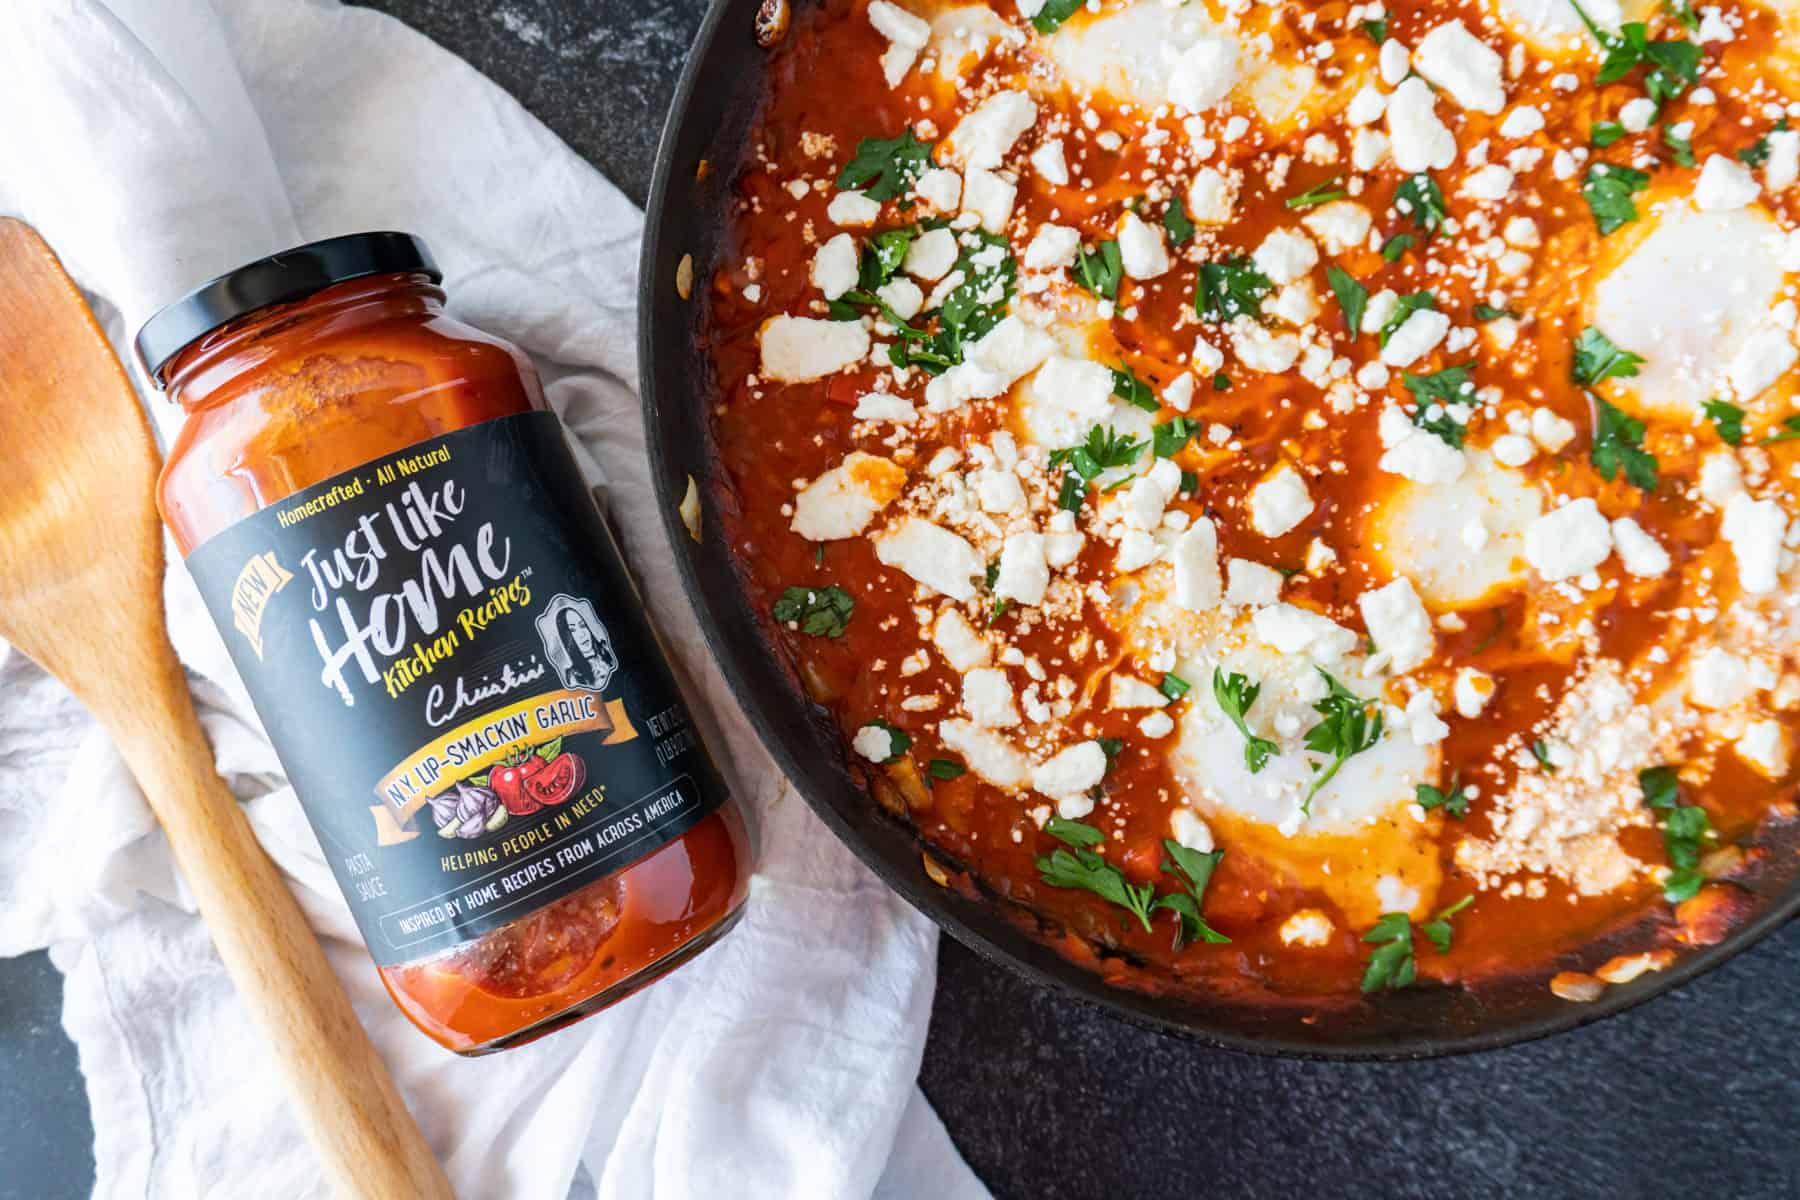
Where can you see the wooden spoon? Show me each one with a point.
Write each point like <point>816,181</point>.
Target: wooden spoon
<point>81,572</point>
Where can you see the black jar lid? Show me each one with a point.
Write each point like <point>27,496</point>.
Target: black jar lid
<point>278,279</point>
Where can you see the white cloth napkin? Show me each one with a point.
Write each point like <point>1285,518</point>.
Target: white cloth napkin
<point>156,143</point>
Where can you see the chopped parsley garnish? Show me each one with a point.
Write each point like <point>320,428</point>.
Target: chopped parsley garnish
<point>1757,152</point>
<point>1684,831</point>
<point>1681,149</point>
<point>1194,869</point>
<point>1134,391</point>
<point>1683,12</point>
<point>1487,312</point>
<point>1175,220</point>
<point>881,259</point>
<point>1104,448</point>
<point>1100,270</point>
<point>1345,731</point>
<point>993,575</point>
<point>1171,437</point>
<point>999,610</point>
<point>1454,802</point>
<point>1597,358</point>
<point>945,769</point>
<point>1319,193</point>
<point>1234,694</point>
<point>1073,491</point>
<point>1618,442</point>
<point>1352,296</point>
<point>1608,190</point>
<point>1230,289</point>
<point>820,612</point>
<point>1377,31</point>
<point>1050,17</point>
<point>1409,304</point>
<point>1221,381</point>
<point>1079,867</point>
<point>1420,198</point>
<point>899,741</point>
<point>1727,419</point>
<point>1605,133</point>
<point>990,276</point>
<point>1391,965</point>
<point>1190,483</point>
<point>1173,686</point>
<point>1790,430</point>
<point>1540,750</point>
<point>1438,928</point>
<point>1394,247</point>
<point>885,168</point>
<point>1438,391</point>
<point>1670,65</point>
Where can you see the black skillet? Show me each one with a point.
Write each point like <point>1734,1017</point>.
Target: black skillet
<point>719,95</point>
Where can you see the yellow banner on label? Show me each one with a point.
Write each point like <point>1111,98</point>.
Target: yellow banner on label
<point>256,585</point>
<point>476,745</point>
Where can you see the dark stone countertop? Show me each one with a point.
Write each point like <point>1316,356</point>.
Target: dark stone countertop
<point>1691,1094</point>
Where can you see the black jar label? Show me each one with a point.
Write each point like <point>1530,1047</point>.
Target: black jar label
<point>460,681</point>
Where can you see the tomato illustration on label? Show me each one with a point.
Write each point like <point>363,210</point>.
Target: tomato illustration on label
<point>558,781</point>
<point>528,780</point>
<point>508,781</point>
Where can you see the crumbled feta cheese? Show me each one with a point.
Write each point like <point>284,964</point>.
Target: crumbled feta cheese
<point>1048,161</point>
<point>885,406</point>
<point>1521,122</point>
<point>1179,393</point>
<point>1764,746</point>
<point>1156,725</point>
<point>1128,691</point>
<point>841,502</point>
<point>1309,927</point>
<point>987,754</point>
<point>1416,453</point>
<point>1472,691</point>
<point>1422,721</point>
<point>1195,562</point>
<point>931,255</point>
<point>989,197</point>
<point>1783,166</point>
<point>1053,248</point>
<point>1141,249</point>
<point>1568,541</point>
<point>1294,630</point>
<point>1024,571</point>
<point>1189,829</point>
<point>1343,225</point>
<point>906,36</point>
<point>1285,255</point>
<point>957,640</point>
<point>1755,529</point>
<point>1394,61</point>
<point>1071,771</point>
<point>1551,431</point>
<point>834,266</point>
<point>1209,197</point>
<point>987,695</point>
<point>940,188</point>
<point>1720,478</point>
<point>1765,356</point>
<point>1417,336</point>
<point>1251,583</point>
<point>931,555</point>
<point>1397,620</point>
<point>873,743</point>
<point>1417,139</point>
<point>1718,679</point>
<point>1261,348</point>
<point>1513,450</point>
<point>1489,184</point>
<point>1463,65</point>
<point>1280,502</point>
<point>903,296</point>
<point>983,138</point>
<point>1203,74</point>
<point>1366,107</point>
<point>1724,185</point>
<point>1639,553</point>
<point>852,208</point>
<point>1638,114</point>
<point>1367,149</point>
<point>796,349</point>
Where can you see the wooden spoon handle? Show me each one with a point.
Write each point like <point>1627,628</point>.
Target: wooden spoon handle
<point>347,1102</point>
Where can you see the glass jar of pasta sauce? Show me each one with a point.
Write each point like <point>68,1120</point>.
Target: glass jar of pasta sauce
<point>438,631</point>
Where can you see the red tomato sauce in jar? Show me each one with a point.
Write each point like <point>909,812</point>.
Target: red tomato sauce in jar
<point>584,845</point>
